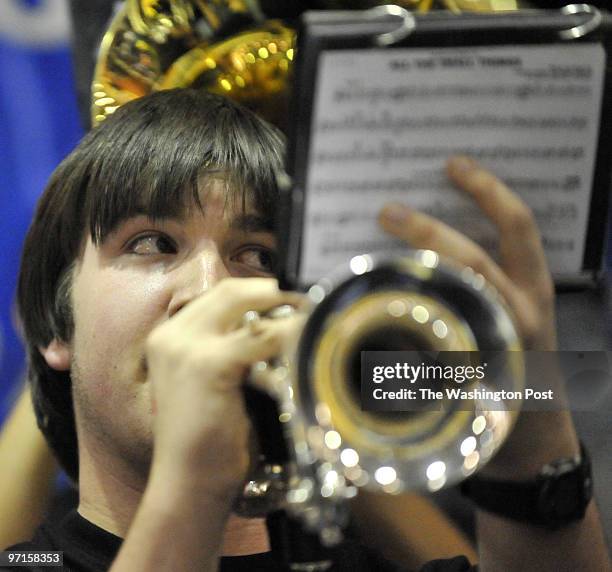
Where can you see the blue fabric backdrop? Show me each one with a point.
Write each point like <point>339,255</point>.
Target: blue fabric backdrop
<point>39,125</point>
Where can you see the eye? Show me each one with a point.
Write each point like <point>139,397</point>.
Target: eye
<point>151,244</point>
<point>258,258</point>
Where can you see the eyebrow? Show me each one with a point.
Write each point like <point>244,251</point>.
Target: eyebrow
<point>252,223</point>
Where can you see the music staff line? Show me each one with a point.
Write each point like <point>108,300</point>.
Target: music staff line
<point>568,184</point>
<point>396,124</point>
<point>549,214</point>
<point>354,92</point>
<point>550,245</point>
<point>388,151</point>
<point>335,244</point>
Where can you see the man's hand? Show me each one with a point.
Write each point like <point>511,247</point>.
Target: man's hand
<point>521,277</point>
<point>197,362</point>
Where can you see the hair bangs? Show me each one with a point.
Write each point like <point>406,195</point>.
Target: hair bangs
<point>157,162</point>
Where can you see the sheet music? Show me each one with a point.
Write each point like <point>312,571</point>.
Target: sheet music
<point>385,121</point>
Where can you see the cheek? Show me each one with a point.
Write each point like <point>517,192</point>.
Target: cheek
<point>113,316</point>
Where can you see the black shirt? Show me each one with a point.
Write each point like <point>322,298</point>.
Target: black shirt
<point>89,548</point>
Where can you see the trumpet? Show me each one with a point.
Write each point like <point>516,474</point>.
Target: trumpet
<point>418,304</point>
<point>321,445</point>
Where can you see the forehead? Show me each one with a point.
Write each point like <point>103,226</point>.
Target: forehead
<point>219,191</point>
<point>219,201</point>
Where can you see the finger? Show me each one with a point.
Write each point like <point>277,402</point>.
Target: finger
<point>423,231</point>
<point>270,374</point>
<point>520,248</point>
<point>242,348</point>
<point>268,340</point>
<point>222,307</point>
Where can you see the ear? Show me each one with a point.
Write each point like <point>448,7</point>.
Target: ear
<point>57,355</point>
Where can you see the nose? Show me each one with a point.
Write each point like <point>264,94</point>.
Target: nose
<point>195,276</point>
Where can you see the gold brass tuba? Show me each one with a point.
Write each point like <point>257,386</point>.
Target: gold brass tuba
<point>419,302</point>
<point>225,46</point>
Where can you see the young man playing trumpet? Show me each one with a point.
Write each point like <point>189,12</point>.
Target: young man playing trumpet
<point>150,243</point>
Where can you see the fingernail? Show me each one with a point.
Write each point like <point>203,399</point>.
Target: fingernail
<point>461,164</point>
<point>396,213</point>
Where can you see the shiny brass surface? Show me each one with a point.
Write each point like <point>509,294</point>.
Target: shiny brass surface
<point>222,46</point>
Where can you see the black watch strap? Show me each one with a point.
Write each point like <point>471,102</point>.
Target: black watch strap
<point>558,496</point>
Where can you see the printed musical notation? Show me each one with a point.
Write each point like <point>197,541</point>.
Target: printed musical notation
<point>395,122</point>
<point>385,121</point>
<point>354,91</point>
<point>388,151</point>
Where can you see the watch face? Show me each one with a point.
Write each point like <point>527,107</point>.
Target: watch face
<point>565,497</point>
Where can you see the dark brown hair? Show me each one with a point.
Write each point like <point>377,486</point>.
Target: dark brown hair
<point>146,158</point>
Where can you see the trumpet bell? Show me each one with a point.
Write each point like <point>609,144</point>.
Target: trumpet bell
<point>415,304</point>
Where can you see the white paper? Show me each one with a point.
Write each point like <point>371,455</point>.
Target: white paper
<point>385,121</point>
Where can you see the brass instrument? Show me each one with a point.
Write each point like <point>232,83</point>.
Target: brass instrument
<point>418,302</point>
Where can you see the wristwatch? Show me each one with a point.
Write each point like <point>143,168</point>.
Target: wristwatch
<point>558,496</point>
